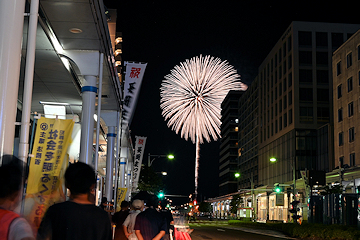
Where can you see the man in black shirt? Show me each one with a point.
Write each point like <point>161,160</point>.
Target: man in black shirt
<point>150,224</point>
<point>77,218</point>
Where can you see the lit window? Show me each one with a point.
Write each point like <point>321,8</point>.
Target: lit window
<point>236,129</point>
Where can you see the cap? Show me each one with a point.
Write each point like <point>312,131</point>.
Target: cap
<point>138,203</point>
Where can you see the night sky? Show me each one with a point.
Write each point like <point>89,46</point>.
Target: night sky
<point>165,33</point>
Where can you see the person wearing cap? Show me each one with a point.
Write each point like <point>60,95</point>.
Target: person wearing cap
<point>129,222</point>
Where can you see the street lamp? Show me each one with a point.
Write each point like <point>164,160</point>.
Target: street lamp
<point>273,159</point>
<point>169,156</point>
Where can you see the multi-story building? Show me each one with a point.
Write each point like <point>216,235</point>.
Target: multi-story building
<point>346,93</point>
<point>229,143</point>
<point>248,136</point>
<point>295,99</point>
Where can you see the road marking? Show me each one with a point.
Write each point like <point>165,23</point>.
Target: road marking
<point>221,230</point>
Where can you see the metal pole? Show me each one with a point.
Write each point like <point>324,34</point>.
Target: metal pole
<point>11,31</point>
<point>110,162</point>
<point>87,119</point>
<point>98,113</point>
<point>98,119</point>
<point>149,160</point>
<point>28,81</point>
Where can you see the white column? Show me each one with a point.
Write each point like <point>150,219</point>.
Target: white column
<point>11,30</point>
<point>111,136</point>
<point>122,171</point>
<point>87,119</point>
<point>28,82</point>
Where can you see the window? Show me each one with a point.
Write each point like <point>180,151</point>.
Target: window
<point>337,39</point>
<point>321,39</point>
<point>340,115</point>
<point>341,138</point>
<point>289,44</point>
<point>305,38</point>
<point>351,134</point>
<point>339,94</point>
<point>322,76</point>
<point>305,76</point>
<point>290,116</point>
<point>289,62</point>
<point>351,109</point>
<point>322,95</point>
<point>285,120</point>
<point>323,115</point>
<point>338,68</point>
<point>349,60</point>
<point>350,84</point>
<point>289,80</point>
<point>322,58</point>
<point>352,159</point>
<point>305,57</point>
<point>290,98</point>
<point>306,114</point>
<point>306,94</point>
<point>358,49</point>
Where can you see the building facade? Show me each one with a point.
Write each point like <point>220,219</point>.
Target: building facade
<point>346,92</point>
<point>295,98</point>
<point>248,111</point>
<point>229,143</point>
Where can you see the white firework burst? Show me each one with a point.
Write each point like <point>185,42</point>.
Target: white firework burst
<point>191,97</point>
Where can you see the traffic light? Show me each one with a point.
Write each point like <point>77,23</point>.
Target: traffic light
<point>195,202</point>
<point>237,175</point>
<point>278,189</point>
<point>294,210</point>
<point>161,195</point>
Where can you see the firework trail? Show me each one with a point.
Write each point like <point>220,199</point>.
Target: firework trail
<point>191,97</point>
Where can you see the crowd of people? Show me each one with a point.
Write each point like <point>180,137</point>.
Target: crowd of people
<point>78,218</point>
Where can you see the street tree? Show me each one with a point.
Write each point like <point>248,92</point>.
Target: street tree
<point>149,180</point>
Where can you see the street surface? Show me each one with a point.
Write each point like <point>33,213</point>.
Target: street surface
<point>228,232</point>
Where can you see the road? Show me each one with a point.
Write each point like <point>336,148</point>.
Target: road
<point>225,232</point>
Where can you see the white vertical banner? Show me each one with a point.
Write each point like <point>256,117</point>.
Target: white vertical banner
<point>133,78</point>
<point>138,156</point>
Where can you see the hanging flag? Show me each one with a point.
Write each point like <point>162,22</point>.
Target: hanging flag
<point>138,156</point>
<point>47,167</point>
<point>120,196</point>
<point>133,78</point>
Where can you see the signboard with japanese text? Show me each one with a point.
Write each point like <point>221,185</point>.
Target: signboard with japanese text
<point>138,156</point>
<point>133,78</point>
<point>47,167</point>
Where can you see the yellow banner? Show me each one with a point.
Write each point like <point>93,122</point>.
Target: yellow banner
<point>47,167</point>
<point>121,193</point>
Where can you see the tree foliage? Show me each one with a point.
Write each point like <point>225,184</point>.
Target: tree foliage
<point>205,207</point>
<point>149,180</point>
<point>235,202</point>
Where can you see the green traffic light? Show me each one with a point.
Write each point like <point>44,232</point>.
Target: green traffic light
<point>277,189</point>
<point>160,195</point>
<point>170,156</point>
<point>237,175</point>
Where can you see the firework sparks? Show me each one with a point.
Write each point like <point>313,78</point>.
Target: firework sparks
<point>191,97</point>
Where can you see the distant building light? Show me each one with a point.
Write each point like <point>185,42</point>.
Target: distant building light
<point>236,120</point>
